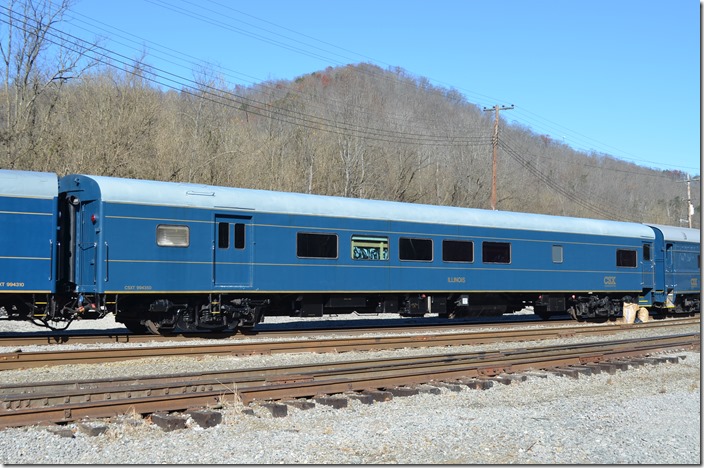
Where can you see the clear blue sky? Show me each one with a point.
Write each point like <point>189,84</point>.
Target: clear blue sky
<point>620,77</point>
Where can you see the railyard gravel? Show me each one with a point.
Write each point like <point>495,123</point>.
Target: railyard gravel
<point>649,414</point>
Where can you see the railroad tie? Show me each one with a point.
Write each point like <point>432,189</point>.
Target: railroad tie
<point>206,419</point>
<point>379,395</point>
<point>277,410</point>
<point>478,384</point>
<point>364,398</point>
<point>299,403</point>
<point>402,391</point>
<point>453,387</point>
<point>335,402</point>
<point>169,422</point>
<point>423,388</point>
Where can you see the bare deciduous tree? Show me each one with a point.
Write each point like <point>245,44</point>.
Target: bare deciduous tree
<point>31,74</point>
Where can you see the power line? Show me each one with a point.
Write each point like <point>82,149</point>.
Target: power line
<point>192,14</point>
<point>216,22</point>
<point>571,195</point>
<point>403,120</point>
<point>281,114</point>
<point>235,101</point>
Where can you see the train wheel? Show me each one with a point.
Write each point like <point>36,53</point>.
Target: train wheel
<point>542,312</point>
<point>136,327</point>
<point>157,328</point>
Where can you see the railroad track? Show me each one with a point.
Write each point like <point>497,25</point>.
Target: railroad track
<point>30,403</point>
<point>118,336</point>
<point>405,339</point>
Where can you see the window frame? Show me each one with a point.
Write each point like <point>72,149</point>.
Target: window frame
<point>240,240</point>
<point>401,248</point>
<point>223,235</point>
<point>320,234</point>
<point>175,227</point>
<point>457,241</point>
<point>621,260</point>
<point>558,248</point>
<point>647,249</point>
<point>495,243</point>
<point>382,240</point>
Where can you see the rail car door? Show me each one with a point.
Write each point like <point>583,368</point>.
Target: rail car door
<point>232,264</point>
<point>87,251</point>
<point>670,280</point>
<point>648,266</point>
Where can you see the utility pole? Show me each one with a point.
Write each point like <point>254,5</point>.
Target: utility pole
<point>690,207</point>
<point>495,144</point>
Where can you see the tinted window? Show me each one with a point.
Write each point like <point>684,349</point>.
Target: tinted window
<point>415,249</point>
<point>172,236</point>
<point>626,258</point>
<point>496,252</point>
<point>316,245</point>
<point>646,252</point>
<point>239,236</point>
<point>223,235</point>
<point>457,251</point>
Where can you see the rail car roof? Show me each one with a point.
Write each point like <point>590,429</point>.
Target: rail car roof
<point>674,233</point>
<point>206,196</point>
<point>28,184</point>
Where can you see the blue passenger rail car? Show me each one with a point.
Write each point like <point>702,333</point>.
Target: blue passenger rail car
<point>164,255</point>
<point>28,243</point>
<point>677,256</point>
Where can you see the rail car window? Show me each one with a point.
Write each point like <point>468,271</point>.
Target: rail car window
<point>496,252</point>
<point>457,251</point>
<point>239,236</point>
<point>557,254</point>
<point>626,258</point>
<point>172,236</point>
<point>646,252</point>
<point>370,248</point>
<point>310,245</point>
<point>415,249</point>
<point>223,235</point>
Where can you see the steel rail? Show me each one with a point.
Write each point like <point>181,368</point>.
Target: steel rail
<point>113,336</point>
<point>171,393</point>
<point>19,359</point>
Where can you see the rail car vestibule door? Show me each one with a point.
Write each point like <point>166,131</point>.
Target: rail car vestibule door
<point>87,247</point>
<point>648,266</point>
<point>670,279</point>
<point>232,263</point>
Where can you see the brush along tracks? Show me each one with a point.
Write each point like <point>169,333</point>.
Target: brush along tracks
<point>21,359</point>
<point>61,402</point>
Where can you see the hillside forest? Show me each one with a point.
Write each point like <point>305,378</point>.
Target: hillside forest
<point>69,106</point>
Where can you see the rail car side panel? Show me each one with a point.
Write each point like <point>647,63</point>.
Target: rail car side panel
<point>156,239</point>
<point>677,264</point>
<point>268,260</point>
<point>28,232</point>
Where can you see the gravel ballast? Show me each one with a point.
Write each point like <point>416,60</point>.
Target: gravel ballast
<point>648,414</point>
